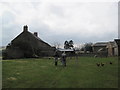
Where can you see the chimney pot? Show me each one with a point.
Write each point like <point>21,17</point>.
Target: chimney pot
<point>36,34</point>
<point>25,28</point>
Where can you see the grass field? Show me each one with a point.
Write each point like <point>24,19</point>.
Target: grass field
<point>41,73</point>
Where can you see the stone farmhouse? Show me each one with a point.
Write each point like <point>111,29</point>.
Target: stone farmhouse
<point>27,45</point>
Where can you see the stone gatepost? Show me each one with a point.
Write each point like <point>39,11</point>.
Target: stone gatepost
<point>118,44</point>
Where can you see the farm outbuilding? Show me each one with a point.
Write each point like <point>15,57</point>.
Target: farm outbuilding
<point>99,45</point>
<point>100,49</point>
<point>106,48</point>
<point>27,45</point>
<point>69,52</point>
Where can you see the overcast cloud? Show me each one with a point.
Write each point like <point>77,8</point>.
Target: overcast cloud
<point>56,22</point>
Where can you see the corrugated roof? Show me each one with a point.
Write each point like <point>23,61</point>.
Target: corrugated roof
<point>60,49</point>
<point>100,44</point>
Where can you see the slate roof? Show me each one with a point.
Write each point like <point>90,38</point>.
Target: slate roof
<point>28,37</point>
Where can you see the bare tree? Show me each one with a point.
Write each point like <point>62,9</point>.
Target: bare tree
<point>56,45</point>
<point>78,47</point>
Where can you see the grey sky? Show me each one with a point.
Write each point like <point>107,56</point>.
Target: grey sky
<point>56,22</point>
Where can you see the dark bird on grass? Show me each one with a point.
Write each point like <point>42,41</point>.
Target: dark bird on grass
<point>102,64</point>
<point>98,64</point>
<point>110,62</point>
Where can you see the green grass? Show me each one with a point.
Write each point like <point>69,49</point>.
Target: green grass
<point>41,73</point>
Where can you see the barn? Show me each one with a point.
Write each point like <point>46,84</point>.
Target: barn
<point>27,45</point>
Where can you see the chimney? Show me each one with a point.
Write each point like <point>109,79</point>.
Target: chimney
<point>25,28</point>
<point>36,34</point>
